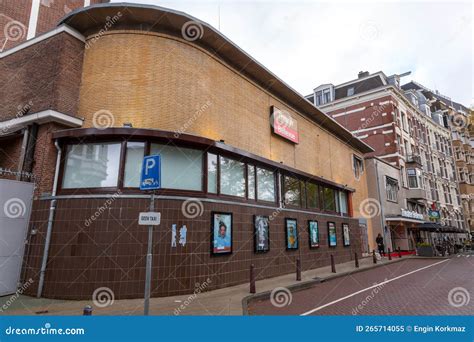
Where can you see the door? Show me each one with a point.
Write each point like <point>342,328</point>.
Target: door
<point>15,209</point>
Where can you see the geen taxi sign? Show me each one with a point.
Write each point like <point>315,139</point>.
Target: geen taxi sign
<point>149,219</point>
<point>284,125</point>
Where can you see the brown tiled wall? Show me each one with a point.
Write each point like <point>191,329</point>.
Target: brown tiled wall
<point>112,251</point>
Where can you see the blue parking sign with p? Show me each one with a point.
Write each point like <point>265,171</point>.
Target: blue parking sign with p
<point>151,173</point>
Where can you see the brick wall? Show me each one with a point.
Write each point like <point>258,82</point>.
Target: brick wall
<point>44,76</point>
<point>15,16</point>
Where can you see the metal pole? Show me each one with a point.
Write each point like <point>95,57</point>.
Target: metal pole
<point>252,279</point>
<point>148,260</point>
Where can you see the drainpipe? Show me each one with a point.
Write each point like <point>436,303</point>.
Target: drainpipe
<point>382,214</point>
<point>49,230</point>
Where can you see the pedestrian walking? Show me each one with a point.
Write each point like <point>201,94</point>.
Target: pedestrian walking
<point>380,245</point>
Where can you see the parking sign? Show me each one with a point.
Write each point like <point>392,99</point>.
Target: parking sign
<point>151,173</point>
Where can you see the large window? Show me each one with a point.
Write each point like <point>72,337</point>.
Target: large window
<point>181,168</point>
<point>212,173</point>
<point>265,185</point>
<point>329,199</point>
<point>292,190</point>
<point>251,181</point>
<point>133,164</point>
<point>91,165</point>
<point>391,186</point>
<point>232,177</point>
<point>312,194</point>
<point>343,202</point>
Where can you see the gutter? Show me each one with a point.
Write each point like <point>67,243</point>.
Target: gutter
<point>49,229</point>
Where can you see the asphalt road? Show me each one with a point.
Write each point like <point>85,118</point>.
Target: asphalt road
<point>409,287</point>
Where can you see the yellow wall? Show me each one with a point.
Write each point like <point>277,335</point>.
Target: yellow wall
<point>156,81</point>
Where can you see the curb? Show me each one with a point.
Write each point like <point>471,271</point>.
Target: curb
<point>310,283</point>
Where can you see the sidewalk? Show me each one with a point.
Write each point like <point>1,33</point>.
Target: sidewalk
<point>227,301</point>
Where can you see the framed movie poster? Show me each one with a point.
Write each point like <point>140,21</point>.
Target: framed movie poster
<point>262,233</point>
<point>346,238</point>
<point>332,238</point>
<point>291,227</point>
<point>221,233</point>
<point>313,232</point>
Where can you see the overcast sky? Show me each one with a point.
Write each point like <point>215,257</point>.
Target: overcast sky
<point>307,43</point>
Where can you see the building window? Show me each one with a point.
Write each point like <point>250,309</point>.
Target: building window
<point>265,185</point>
<point>232,177</point>
<point>312,194</point>
<point>391,186</point>
<point>181,168</point>
<point>133,164</point>
<point>329,199</point>
<point>212,173</point>
<point>318,98</point>
<point>357,166</point>
<point>350,91</point>
<point>251,181</point>
<point>92,165</point>
<point>343,202</point>
<point>292,190</point>
<point>326,95</point>
<point>414,178</point>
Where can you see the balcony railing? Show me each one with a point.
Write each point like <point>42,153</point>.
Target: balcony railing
<point>413,158</point>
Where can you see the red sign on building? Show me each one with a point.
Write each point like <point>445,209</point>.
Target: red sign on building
<point>284,125</point>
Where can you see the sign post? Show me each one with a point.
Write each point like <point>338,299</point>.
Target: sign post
<point>150,180</point>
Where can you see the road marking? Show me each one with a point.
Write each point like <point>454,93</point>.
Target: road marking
<point>369,288</point>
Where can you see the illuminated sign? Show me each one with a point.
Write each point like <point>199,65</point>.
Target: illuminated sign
<point>284,125</point>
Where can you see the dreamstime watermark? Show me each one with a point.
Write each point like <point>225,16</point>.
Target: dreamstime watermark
<point>108,202</point>
<point>192,208</point>
<point>103,119</point>
<point>458,297</point>
<point>192,30</point>
<point>14,208</point>
<point>369,208</point>
<point>110,21</point>
<point>281,297</point>
<point>378,111</point>
<point>103,297</point>
<point>47,329</point>
<point>16,295</point>
<point>368,298</point>
<point>369,30</point>
<point>198,289</point>
<point>12,31</point>
<point>193,118</point>
<point>21,111</point>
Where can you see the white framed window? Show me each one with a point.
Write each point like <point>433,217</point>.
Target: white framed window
<point>391,186</point>
<point>357,166</point>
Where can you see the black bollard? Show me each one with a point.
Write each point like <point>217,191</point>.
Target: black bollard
<point>356,258</point>
<point>298,269</point>
<point>399,252</point>
<point>333,264</point>
<point>374,258</point>
<point>87,311</point>
<point>252,279</point>
<point>389,254</point>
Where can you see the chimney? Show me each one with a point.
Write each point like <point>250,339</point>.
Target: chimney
<point>362,74</point>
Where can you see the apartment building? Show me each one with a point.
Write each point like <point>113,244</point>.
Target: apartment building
<point>458,118</point>
<point>408,132</point>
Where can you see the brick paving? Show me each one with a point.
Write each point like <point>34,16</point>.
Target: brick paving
<point>422,293</point>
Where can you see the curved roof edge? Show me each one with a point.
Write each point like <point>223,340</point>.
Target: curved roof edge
<point>90,20</point>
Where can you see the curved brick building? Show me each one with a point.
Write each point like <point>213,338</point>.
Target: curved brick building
<point>236,144</point>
